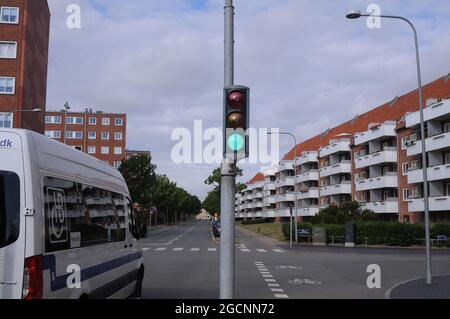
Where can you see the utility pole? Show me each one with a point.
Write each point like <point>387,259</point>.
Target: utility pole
<point>228,176</point>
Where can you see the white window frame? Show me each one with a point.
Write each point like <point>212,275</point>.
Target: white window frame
<point>447,189</point>
<point>53,134</point>
<point>72,135</point>
<point>405,192</point>
<point>404,141</point>
<point>416,192</point>
<point>118,119</point>
<point>414,165</point>
<point>105,138</point>
<point>447,127</point>
<point>91,150</point>
<point>116,150</point>
<point>74,118</point>
<point>447,158</point>
<point>10,116</point>
<point>104,150</point>
<point>15,50</point>
<point>116,134</point>
<point>106,121</point>
<point>92,120</point>
<point>6,78</point>
<point>52,119</point>
<point>405,169</point>
<point>92,137</point>
<point>9,22</point>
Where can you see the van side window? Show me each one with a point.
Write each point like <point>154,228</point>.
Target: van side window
<point>9,208</point>
<point>80,216</point>
<point>131,218</point>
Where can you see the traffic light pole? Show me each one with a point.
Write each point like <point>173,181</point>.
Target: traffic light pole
<point>228,178</point>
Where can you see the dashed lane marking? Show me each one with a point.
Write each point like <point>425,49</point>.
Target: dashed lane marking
<point>212,249</point>
<point>271,281</point>
<point>262,250</point>
<point>145,249</point>
<point>195,249</point>
<point>281,296</point>
<point>178,249</point>
<point>161,249</point>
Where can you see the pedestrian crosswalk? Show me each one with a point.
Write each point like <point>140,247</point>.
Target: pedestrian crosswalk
<point>241,248</point>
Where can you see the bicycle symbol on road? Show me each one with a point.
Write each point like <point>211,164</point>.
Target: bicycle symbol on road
<point>304,281</point>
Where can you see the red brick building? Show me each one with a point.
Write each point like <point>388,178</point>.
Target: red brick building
<point>102,135</point>
<point>374,158</point>
<point>24,41</point>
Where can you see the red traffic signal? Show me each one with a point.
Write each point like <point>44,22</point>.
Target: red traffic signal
<point>236,99</point>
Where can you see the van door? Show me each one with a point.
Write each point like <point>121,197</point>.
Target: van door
<point>12,217</point>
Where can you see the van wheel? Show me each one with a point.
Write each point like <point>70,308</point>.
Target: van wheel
<point>138,290</point>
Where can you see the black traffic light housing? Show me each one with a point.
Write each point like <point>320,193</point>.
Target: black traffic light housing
<point>236,122</point>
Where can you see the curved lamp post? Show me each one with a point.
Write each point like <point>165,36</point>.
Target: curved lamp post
<point>355,14</point>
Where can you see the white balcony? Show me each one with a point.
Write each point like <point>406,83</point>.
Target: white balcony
<point>270,200</point>
<point>338,146</point>
<point>387,181</point>
<point>286,166</point>
<point>284,212</point>
<point>248,197</point>
<point>258,204</point>
<point>286,198</point>
<point>340,168</point>
<point>390,206</point>
<point>384,130</point>
<point>435,173</point>
<point>308,211</point>
<point>434,111</point>
<point>435,204</point>
<point>308,157</point>
<point>258,195</point>
<point>307,193</point>
<point>269,186</point>
<point>389,155</point>
<point>287,181</point>
<point>344,188</point>
<point>312,175</point>
<point>269,213</point>
<point>434,143</point>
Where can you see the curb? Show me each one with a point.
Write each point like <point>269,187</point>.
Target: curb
<point>387,294</point>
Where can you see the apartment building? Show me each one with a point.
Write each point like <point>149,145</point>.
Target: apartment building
<point>102,135</point>
<point>24,41</point>
<point>374,159</point>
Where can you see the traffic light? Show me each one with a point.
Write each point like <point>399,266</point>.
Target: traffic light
<point>236,122</point>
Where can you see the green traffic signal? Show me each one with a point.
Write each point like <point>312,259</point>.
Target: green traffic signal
<point>236,142</point>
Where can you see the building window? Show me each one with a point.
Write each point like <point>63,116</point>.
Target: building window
<point>117,164</point>
<point>118,136</point>
<point>105,136</point>
<point>7,85</point>
<point>447,128</point>
<point>414,165</point>
<point>6,120</point>
<point>117,151</point>
<point>447,158</point>
<point>92,135</point>
<point>405,142</point>
<point>9,15</point>
<point>53,120</point>
<point>74,135</point>
<point>105,121</point>
<point>53,134</point>
<point>405,168</point>
<point>416,192</point>
<point>105,150</point>
<point>119,122</point>
<point>92,121</point>
<point>8,50</point>
<point>448,189</point>
<point>405,194</point>
<point>91,149</point>
<point>78,148</point>
<point>75,120</point>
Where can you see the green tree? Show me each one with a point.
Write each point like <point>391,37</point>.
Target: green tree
<point>212,202</point>
<point>347,211</point>
<point>139,174</point>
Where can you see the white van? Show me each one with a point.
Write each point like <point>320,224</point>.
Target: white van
<point>67,228</point>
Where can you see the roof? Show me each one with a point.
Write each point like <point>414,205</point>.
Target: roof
<point>393,110</point>
<point>257,178</point>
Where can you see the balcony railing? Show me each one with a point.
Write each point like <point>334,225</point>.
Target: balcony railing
<point>435,173</point>
<point>433,143</point>
<point>389,180</point>
<point>338,168</point>
<point>387,155</point>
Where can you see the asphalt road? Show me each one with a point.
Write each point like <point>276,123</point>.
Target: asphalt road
<point>182,262</point>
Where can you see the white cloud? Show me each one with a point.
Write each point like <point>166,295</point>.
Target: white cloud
<point>309,68</point>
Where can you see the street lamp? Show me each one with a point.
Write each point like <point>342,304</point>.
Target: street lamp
<point>67,108</point>
<point>35,110</point>
<point>295,181</point>
<point>355,14</point>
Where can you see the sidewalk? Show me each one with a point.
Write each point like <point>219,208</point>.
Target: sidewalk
<point>418,289</point>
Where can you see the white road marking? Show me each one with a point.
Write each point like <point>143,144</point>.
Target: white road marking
<point>161,248</point>
<point>212,249</point>
<point>267,276</point>
<point>262,250</point>
<point>195,249</point>
<point>245,250</point>
<point>170,242</point>
<point>178,249</point>
<point>145,249</point>
<point>281,296</point>
<point>277,290</point>
<point>278,250</point>
<point>265,273</point>
<point>270,280</point>
<point>273,285</point>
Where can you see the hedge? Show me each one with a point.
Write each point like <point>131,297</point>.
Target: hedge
<point>381,233</point>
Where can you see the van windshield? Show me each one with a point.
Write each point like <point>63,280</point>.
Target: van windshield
<point>9,208</point>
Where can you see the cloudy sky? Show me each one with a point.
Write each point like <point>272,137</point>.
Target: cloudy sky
<point>309,68</point>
